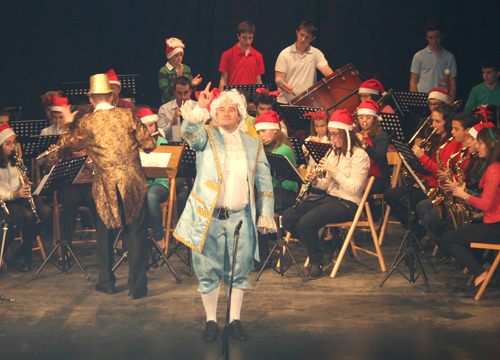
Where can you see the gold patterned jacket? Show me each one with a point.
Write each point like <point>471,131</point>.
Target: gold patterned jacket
<point>210,150</point>
<point>113,138</point>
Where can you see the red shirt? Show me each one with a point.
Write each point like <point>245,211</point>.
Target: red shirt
<point>431,165</point>
<point>242,69</point>
<point>489,201</point>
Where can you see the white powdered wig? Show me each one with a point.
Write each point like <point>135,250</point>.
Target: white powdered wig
<point>234,97</point>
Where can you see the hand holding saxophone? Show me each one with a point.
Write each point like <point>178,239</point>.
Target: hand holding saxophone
<point>459,191</point>
<point>451,185</point>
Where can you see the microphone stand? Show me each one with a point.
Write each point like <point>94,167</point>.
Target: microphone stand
<point>225,333</point>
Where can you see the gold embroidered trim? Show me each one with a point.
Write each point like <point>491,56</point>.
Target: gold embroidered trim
<point>203,212</point>
<point>256,161</point>
<point>197,198</point>
<point>207,127</point>
<point>188,244</point>
<point>212,186</point>
<point>266,194</point>
<point>188,136</point>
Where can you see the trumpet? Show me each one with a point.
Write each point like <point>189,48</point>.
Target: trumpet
<point>21,171</point>
<point>47,152</point>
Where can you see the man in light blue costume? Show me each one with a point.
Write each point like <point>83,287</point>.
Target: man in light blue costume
<point>233,183</point>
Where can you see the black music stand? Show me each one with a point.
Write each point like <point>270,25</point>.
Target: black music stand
<point>317,150</point>
<point>36,144</point>
<point>60,177</point>
<point>282,169</point>
<point>297,149</point>
<point>392,126</point>
<point>248,87</point>
<point>27,128</point>
<point>409,254</point>
<point>76,91</point>
<point>294,114</point>
<point>407,101</point>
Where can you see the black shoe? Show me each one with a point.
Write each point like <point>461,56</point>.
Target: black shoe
<point>316,271</point>
<point>459,265</point>
<point>139,294</point>
<point>24,265</point>
<point>237,330</point>
<point>211,331</point>
<point>105,288</point>
<point>444,259</point>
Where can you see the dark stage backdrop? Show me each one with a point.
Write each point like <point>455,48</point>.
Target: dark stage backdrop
<point>45,43</point>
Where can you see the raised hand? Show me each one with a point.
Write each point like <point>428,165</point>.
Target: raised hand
<point>196,81</point>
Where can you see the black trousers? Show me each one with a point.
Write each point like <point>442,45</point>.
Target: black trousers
<point>22,218</point>
<point>75,196</point>
<point>305,221</point>
<point>457,242</point>
<point>135,236</point>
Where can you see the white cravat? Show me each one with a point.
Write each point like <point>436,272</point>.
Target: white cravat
<point>234,190</point>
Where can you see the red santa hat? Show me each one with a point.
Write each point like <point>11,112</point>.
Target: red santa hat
<point>368,107</point>
<point>113,79</point>
<point>147,116</point>
<point>58,103</point>
<point>174,46</point>
<point>473,131</point>
<point>442,90</point>
<point>268,120</point>
<point>342,119</point>
<point>371,86</point>
<point>5,132</point>
<point>317,115</point>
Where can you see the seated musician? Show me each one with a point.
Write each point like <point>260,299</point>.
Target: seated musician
<point>16,197</point>
<point>347,169</point>
<point>269,129</point>
<point>264,101</point>
<point>447,146</point>
<point>4,116</point>
<point>174,69</point>
<point>116,86</point>
<point>375,142</point>
<point>318,133</point>
<point>457,241</point>
<point>473,168</point>
<point>80,192</point>
<point>488,92</point>
<point>373,90</point>
<point>47,100</point>
<point>158,189</point>
<point>56,114</point>
<point>397,198</point>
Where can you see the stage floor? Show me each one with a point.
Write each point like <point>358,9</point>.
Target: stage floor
<point>61,316</point>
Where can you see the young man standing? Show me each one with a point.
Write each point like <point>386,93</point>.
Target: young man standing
<point>487,93</point>
<point>429,64</point>
<point>295,69</point>
<point>242,64</point>
<point>169,115</point>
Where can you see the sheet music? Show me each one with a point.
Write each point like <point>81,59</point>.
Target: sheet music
<point>155,159</point>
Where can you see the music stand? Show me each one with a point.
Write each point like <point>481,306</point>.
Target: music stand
<point>37,144</point>
<point>282,169</point>
<point>297,149</point>
<point>391,124</point>
<point>27,128</point>
<point>61,176</point>
<point>409,254</point>
<point>405,101</point>
<point>317,150</point>
<point>248,87</point>
<point>294,115</point>
<point>76,91</point>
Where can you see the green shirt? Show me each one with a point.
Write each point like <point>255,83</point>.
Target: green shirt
<point>285,150</point>
<point>166,79</point>
<point>162,181</point>
<point>481,95</point>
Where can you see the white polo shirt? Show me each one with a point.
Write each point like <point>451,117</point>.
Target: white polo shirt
<point>300,69</point>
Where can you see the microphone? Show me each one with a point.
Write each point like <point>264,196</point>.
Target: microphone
<point>238,227</point>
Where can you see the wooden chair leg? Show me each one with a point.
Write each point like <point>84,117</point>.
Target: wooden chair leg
<point>375,238</point>
<point>384,225</point>
<point>488,278</point>
<point>40,247</point>
<point>169,215</point>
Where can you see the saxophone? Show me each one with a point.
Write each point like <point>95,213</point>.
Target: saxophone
<point>437,193</point>
<point>464,208</point>
<point>451,208</point>
<point>21,171</point>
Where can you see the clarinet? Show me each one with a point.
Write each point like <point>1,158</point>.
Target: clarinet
<point>21,171</point>
<point>304,189</point>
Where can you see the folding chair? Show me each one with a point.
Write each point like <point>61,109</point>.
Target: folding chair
<point>393,160</point>
<point>492,269</point>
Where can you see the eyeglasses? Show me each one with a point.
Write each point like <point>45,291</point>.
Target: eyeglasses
<point>334,134</point>
<point>434,104</point>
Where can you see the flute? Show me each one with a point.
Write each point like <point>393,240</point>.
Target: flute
<point>47,152</point>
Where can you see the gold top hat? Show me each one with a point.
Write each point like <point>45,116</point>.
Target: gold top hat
<point>99,84</point>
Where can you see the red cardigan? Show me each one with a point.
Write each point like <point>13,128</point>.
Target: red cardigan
<point>489,202</point>
<point>430,164</point>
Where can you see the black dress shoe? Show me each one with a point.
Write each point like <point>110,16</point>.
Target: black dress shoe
<point>24,265</point>
<point>139,294</point>
<point>211,331</point>
<point>237,330</point>
<point>105,288</point>
<point>316,271</point>
<point>444,259</point>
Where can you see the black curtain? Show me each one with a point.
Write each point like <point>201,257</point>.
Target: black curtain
<point>46,43</point>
